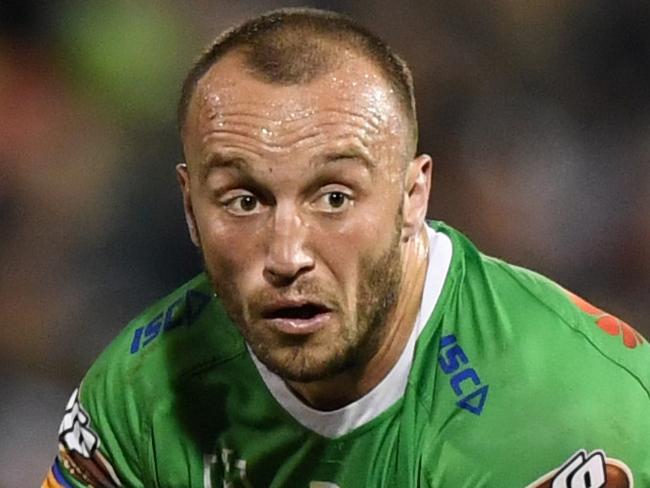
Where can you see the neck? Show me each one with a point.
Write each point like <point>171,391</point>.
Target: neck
<point>340,390</point>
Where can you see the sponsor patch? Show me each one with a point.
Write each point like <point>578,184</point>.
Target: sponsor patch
<point>464,380</point>
<point>584,470</point>
<point>79,448</point>
<point>183,311</point>
<point>607,322</point>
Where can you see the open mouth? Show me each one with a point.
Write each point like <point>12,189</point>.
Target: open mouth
<point>300,312</point>
<point>297,318</point>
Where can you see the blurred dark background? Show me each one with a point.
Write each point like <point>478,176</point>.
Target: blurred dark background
<point>536,114</point>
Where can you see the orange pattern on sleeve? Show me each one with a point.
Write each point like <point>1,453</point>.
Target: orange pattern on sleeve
<point>610,324</point>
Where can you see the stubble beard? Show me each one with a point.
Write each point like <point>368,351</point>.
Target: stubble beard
<point>359,338</point>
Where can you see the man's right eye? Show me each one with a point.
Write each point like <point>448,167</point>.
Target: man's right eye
<point>242,205</point>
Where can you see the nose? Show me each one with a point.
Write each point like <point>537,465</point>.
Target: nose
<point>287,256</point>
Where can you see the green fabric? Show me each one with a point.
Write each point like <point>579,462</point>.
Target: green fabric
<point>536,380</point>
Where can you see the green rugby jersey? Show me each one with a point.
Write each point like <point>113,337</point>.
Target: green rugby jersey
<point>507,381</point>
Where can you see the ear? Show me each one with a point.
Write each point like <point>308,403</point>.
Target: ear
<point>416,195</point>
<point>183,176</point>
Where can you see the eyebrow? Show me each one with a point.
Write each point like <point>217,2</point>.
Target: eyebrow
<point>217,160</point>
<point>347,153</point>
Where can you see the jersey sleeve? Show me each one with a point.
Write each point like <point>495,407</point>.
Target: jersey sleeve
<point>106,438</point>
<point>95,449</point>
<point>102,439</point>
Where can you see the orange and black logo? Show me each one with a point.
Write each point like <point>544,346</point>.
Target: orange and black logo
<point>610,324</point>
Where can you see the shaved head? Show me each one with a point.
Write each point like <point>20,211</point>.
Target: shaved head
<point>297,46</point>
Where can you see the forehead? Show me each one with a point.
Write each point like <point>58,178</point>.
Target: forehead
<point>353,95</point>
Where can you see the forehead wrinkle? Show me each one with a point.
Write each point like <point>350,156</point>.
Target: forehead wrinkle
<point>235,157</point>
<point>373,120</point>
<point>314,138</point>
<point>277,134</point>
<point>220,106</point>
<point>274,127</point>
<point>222,109</point>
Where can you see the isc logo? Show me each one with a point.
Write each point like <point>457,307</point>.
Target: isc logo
<point>464,380</point>
<point>183,310</point>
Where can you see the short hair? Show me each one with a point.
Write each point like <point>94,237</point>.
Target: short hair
<point>297,45</point>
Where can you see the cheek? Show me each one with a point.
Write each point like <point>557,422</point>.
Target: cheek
<point>231,252</point>
<point>372,228</point>
<point>344,246</point>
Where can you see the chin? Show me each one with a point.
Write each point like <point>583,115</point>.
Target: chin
<point>304,364</point>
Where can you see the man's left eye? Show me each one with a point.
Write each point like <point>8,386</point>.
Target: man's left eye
<point>333,201</point>
<point>336,199</point>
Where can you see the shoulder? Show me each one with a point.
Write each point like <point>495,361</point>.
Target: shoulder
<point>515,306</point>
<point>557,319</point>
<point>186,330</point>
<point>523,362</point>
<point>108,419</point>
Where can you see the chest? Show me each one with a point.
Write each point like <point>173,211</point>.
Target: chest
<point>274,451</point>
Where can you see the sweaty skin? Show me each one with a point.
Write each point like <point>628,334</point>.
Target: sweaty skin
<point>305,195</point>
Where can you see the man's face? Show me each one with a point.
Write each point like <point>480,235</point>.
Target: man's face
<point>294,195</point>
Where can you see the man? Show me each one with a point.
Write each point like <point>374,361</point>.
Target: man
<point>348,342</point>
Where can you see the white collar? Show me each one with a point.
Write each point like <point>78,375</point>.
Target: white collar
<point>336,423</point>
